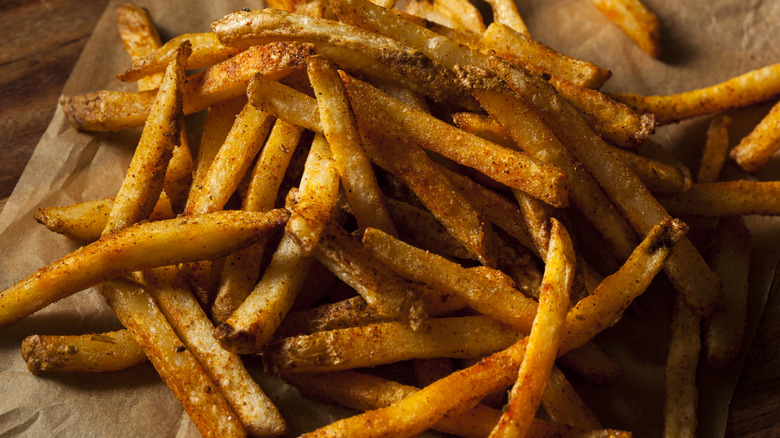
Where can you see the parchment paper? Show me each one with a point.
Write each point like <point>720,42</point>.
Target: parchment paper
<point>704,42</point>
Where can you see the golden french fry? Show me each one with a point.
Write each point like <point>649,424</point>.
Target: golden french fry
<point>748,89</point>
<point>540,59</point>
<point>680,417</point>
<point>338,123</point>
<point>206,51</point>
<point>486,295</point>
<point>85,221</point>
<point>730,259</point>
<point>136,248</point>
<point>633,18</point>
<point>715,150</point>
<point>319,189</point>
<point>607,303</point>
<point>726,198</point>
<point>231,162</point>
<point>202,401</point>
<point>145,177</point>
<point>754,151</point>
<point>116,110</point>
<point>546,333</point>
<point>94,353</point>
<point>242,268</point>
<point>389,342</point>
<point>255,410</point>
<point>140,38</point>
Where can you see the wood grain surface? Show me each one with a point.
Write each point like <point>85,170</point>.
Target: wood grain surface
<point>42,41</point>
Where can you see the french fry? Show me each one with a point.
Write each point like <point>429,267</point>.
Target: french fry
<point>232,161</point>
<point>146,175</point>
<point>519,171</point>
<point>536,215</point>
<point>615,121</point>
<point>203,402</point>
<point>730,258</point>
<point>607,303</point>
<point>484,126</point>
<point>754,151</point>
<point>660,178</point>
<point>206,51</point>
<point>85,221</point>
<point>352,312</point>
<point>115,110</point>
<point>93,353</point>
<point>252,325</point>
<point>255,410</point>
<point>747,89</point>
<point>562,403</point>
<point>541,350</point>
<point>505,12</point>
<point>136,248</point>
<point>242,269</point>
<point>540,59</point>
<point>383,290</point>
<point>726,198</point>
<point>319,189</point>
<point>680,417</point>
<point>636,21</point>
<point>365,391</point>
<point>389,342</point>
<point>487,296</point>
<point>340,129</point>
<point>715,150</point>
<point>140,38</point>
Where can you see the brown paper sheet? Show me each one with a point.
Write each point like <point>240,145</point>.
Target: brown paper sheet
<point>704,42</point>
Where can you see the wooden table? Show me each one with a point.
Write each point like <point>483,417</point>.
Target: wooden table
<point>36,60</point>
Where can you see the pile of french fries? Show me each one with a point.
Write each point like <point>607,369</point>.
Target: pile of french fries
<point>376,186</point>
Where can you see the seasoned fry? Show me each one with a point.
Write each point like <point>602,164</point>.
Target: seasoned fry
<point>422,229</point>
<point>140,38</point>
<point>754,151</point>
<point>715,150</point>
<point>727,198</point>
<point>545,336</point>
<point>680,417</point>
<point>319,189</point>
<point>115,110</point>
<point>242,268</point>
<point>170,290</point>
<point>487,296</point>
<point>730,259</point>
<point>748,89</point>
<point>146,175</point>
<point>231,162</point>
<point>384,291</point>
<point>204,403</point>
<point>94,353</point>
<point>660,178</point>
<point>614,121</point>
<point>338,123</point>
<point>136,248</point>
<point>389,342</point>
<point>540,59</point>
<point>206,51</point>
<point>85,221</point>
<point>633,18</point>
<point>607,303</point>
